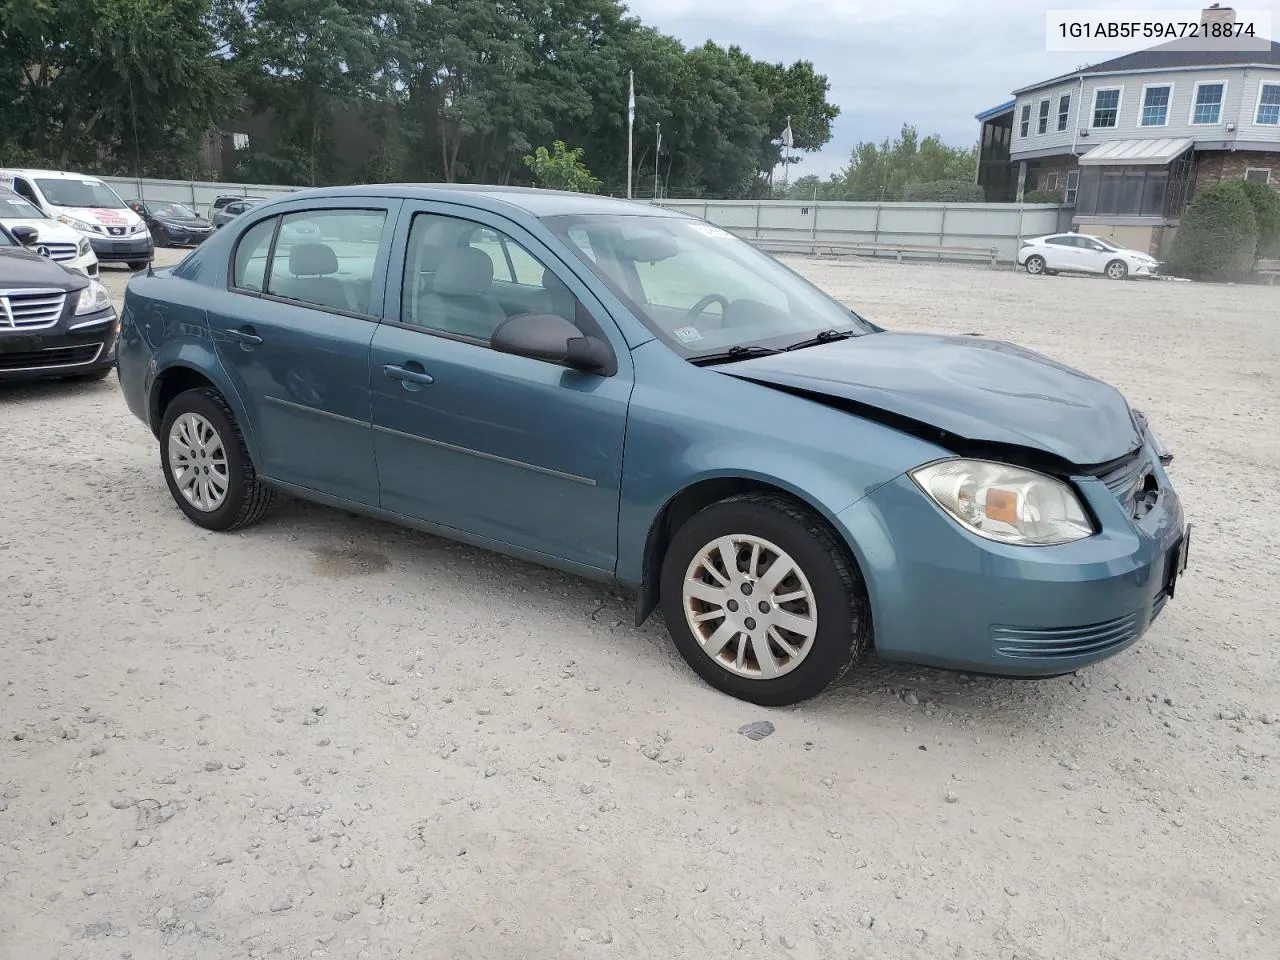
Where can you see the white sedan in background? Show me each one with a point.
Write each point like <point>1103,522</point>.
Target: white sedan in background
<point>54,240</point>
<point>1081,253</point>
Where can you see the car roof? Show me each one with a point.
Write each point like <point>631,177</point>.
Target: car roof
<point>49,174</point>
<point>533,200</point>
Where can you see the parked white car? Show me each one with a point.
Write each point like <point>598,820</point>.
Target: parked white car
<point>54,240</point>
<point>1081,253</point>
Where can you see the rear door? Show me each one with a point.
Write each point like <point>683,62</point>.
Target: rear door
<point>1060,254</point>
<point>293,331</point>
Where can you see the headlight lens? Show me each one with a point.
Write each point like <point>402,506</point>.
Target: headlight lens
<point>75,224</point>
<point>84,248</point>
<point>1005,503</point>
<point>138,228</point>
<point>93,299</point>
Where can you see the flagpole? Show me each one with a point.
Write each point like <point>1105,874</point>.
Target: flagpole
<point>657,149</point>
<point>786,164</point>
<point>631,123</point>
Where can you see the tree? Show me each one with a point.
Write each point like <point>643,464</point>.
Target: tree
<point>561,169</point>
<point>1217,238</point>
<point>117,86</point>
<point>884,171</point>
<point>1265,201</point>
<point>953,191</point>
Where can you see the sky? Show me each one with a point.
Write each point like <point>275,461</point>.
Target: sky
<point>932,63</point>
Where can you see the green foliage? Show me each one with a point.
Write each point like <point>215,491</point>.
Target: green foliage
<point>561,169</point>
<point>1265,201</point>
<point>116,86</point>
<point>336,91</point>
<point>1217,238</point>
<point>884,171</point>
<point>1042,196</point>
<point>950,191</point>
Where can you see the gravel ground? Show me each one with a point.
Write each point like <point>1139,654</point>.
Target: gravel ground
<point>326,736</point>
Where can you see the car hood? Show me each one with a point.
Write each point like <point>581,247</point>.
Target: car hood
<point>981,390</point>
<point>102,216</point>
<point>20,267</point>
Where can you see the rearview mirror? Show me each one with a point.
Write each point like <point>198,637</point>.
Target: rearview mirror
<point>25,235</point>
<point>649,248</point>
<point>546,336</point>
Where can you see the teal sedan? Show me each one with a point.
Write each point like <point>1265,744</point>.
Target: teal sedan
<point>640,397</point>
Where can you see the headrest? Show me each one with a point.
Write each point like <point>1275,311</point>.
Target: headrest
<point>551,282</point>
<point>312,260</point>
<point>466,272</point>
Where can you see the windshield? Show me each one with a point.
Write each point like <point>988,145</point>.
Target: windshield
<point>13,207</point>
<point>80,193</point>
<point>171,210</point>
<point>700,289</point>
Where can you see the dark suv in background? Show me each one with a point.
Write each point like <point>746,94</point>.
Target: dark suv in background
<point>53,322</point>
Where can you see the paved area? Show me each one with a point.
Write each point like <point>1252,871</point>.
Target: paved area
<point>328,737</point>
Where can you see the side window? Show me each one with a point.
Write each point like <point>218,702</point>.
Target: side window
<point>466,281</point>
<point>23,189</point>
<point>326,258</point>
<point>250,269</point>
<point>1061,241</point>
<point>234,208</point>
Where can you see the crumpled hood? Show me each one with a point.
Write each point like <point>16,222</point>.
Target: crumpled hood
<point>975,388</point>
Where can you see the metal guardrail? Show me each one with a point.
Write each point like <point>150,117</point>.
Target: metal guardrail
<point>1269,269</point>
<point>817,248</point>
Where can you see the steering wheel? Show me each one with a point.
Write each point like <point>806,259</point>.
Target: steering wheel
<point>705,302</point>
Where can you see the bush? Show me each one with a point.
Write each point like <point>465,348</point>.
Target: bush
<point>1042,196</point>
<point>944,191</point>
<point>1266,211</point>
<point>1217,238</point>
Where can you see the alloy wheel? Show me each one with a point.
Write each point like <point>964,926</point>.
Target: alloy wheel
<point>198,462</point>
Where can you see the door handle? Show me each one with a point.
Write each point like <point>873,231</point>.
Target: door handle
<point>396,372</point>
<point>244,335</point>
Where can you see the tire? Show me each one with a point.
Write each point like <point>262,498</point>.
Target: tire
<point>161,237</point>
<point>244,499</point>
<point>1035,265</point>
<point>138,266</point>
<point>95,375</point>
<point>1117,270</point>
<point>834,598</point>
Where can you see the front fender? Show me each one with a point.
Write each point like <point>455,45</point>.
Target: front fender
<point>690,425</point>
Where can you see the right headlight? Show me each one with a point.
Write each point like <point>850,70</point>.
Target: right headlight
<point>1005,503</point>
<point>93,299</point>
<point>75,224</point>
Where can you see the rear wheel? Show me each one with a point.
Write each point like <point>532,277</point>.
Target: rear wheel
<point>206,464</point>
<point>762,601</point>
<point>1117,270</point>
<point>1035,265</point>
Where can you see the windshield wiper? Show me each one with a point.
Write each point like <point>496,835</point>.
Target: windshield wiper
<point>825,336</point>
<point>733,353</point>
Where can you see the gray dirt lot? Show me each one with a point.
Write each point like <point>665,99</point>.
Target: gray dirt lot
<point>326,736</point>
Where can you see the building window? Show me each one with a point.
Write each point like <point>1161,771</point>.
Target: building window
<point>1073,184</point>
<point>1051,181</point>
<point>1064,111</point>
<point>1268,105</point>
<point>1155,106</point>
<point>240,141</point>
<point>1258,174</point>
<point>1106,107</point>
<point>1042,126</point>
<point>1137,191</point>
<point>1026,120</point>
<point>1207,104</point>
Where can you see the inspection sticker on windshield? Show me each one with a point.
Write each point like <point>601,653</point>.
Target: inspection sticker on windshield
<point>687,334</point>
<point>707,230</point>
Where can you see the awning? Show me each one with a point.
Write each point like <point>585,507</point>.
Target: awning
<point>1119,153</point>
<point>1006,107</point>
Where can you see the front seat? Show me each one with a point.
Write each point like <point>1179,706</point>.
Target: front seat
<point>312,266</point>
<point>460,301</point>
<point>556,297</point>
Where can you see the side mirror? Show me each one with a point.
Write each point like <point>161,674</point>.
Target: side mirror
<point>546,336</point>
<point>25,235</point>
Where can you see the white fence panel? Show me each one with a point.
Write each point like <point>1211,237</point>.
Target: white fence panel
<point>980,225</point>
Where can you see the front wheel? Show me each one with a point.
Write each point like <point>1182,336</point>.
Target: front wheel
<point>1035,265</point>
<point>207,465</point>
<point>1117,270</point>
<point>762,600</point>
<point>137,265</point>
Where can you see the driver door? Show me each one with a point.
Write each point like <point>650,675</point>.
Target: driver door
<point>516,451</point>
